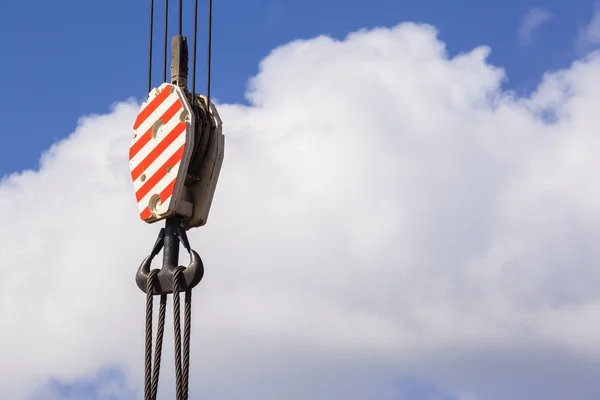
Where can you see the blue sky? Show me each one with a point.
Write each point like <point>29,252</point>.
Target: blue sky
<point>73,58</point>
<point>107,384</point>
<point>110,384</point>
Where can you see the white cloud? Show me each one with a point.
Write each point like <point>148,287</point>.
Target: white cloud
<point>534,18</point>
<point>383,210</point>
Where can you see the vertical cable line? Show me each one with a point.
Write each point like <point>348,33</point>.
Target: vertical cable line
<point>195,41</point>
<point>150,46</point>
<point>180,17</point>
<point>165,40</point>
<point>209,54</point>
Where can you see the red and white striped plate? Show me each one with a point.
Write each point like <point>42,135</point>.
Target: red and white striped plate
<point>160,151</point>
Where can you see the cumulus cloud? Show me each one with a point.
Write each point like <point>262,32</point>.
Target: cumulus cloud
<point>531,22</point>
<point>384,210</point>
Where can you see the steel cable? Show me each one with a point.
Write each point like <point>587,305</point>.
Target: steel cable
<point>187,328</point>
<point>180,29</point>
<point>148,355</point>
<point>195,45</point>
<point>165,40</point>
<point>152,374</point>
<point>177,332</point>
<point>150,46</point>
<point>209,55</point>
<point>182,356</point>
<point>159,342</point>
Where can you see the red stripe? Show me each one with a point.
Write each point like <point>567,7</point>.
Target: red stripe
<point>145,214</point>
<point>165,118</point>
<point>164,196</point>
<point>161,173</point>
<point>168,191</point>
<point>158,150</point>
<point>154,104</point>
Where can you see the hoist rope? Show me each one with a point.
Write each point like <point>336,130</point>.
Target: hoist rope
<point>194,58</point>
<point>150,49</point>
<point>187,333</point>
<point>165,40</point>
<point>195,41</point>
<point>182,356</point>
<point>182,353</point>
<point>180,30</point>
<point>209,53</point>
<point>152,376</point>
<point>177,333</point>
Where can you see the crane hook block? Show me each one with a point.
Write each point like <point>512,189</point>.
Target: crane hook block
<point>160,153</point>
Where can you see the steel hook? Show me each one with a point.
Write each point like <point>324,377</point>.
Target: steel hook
<point>168,240</point>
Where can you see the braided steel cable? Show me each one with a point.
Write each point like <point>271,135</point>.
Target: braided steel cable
<point>165,40</point>
<point>182,356</point>
<point>150,45</point>
<point>209,55</point>
<point>148,354</point>
<point>159,343</point>
<point>180,28</point>
<point>177,332</point>
<point>195,46</point>
<point>152,374</point>
<point>187,330</point>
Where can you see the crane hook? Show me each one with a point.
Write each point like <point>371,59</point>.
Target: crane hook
<point>168,240</point>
